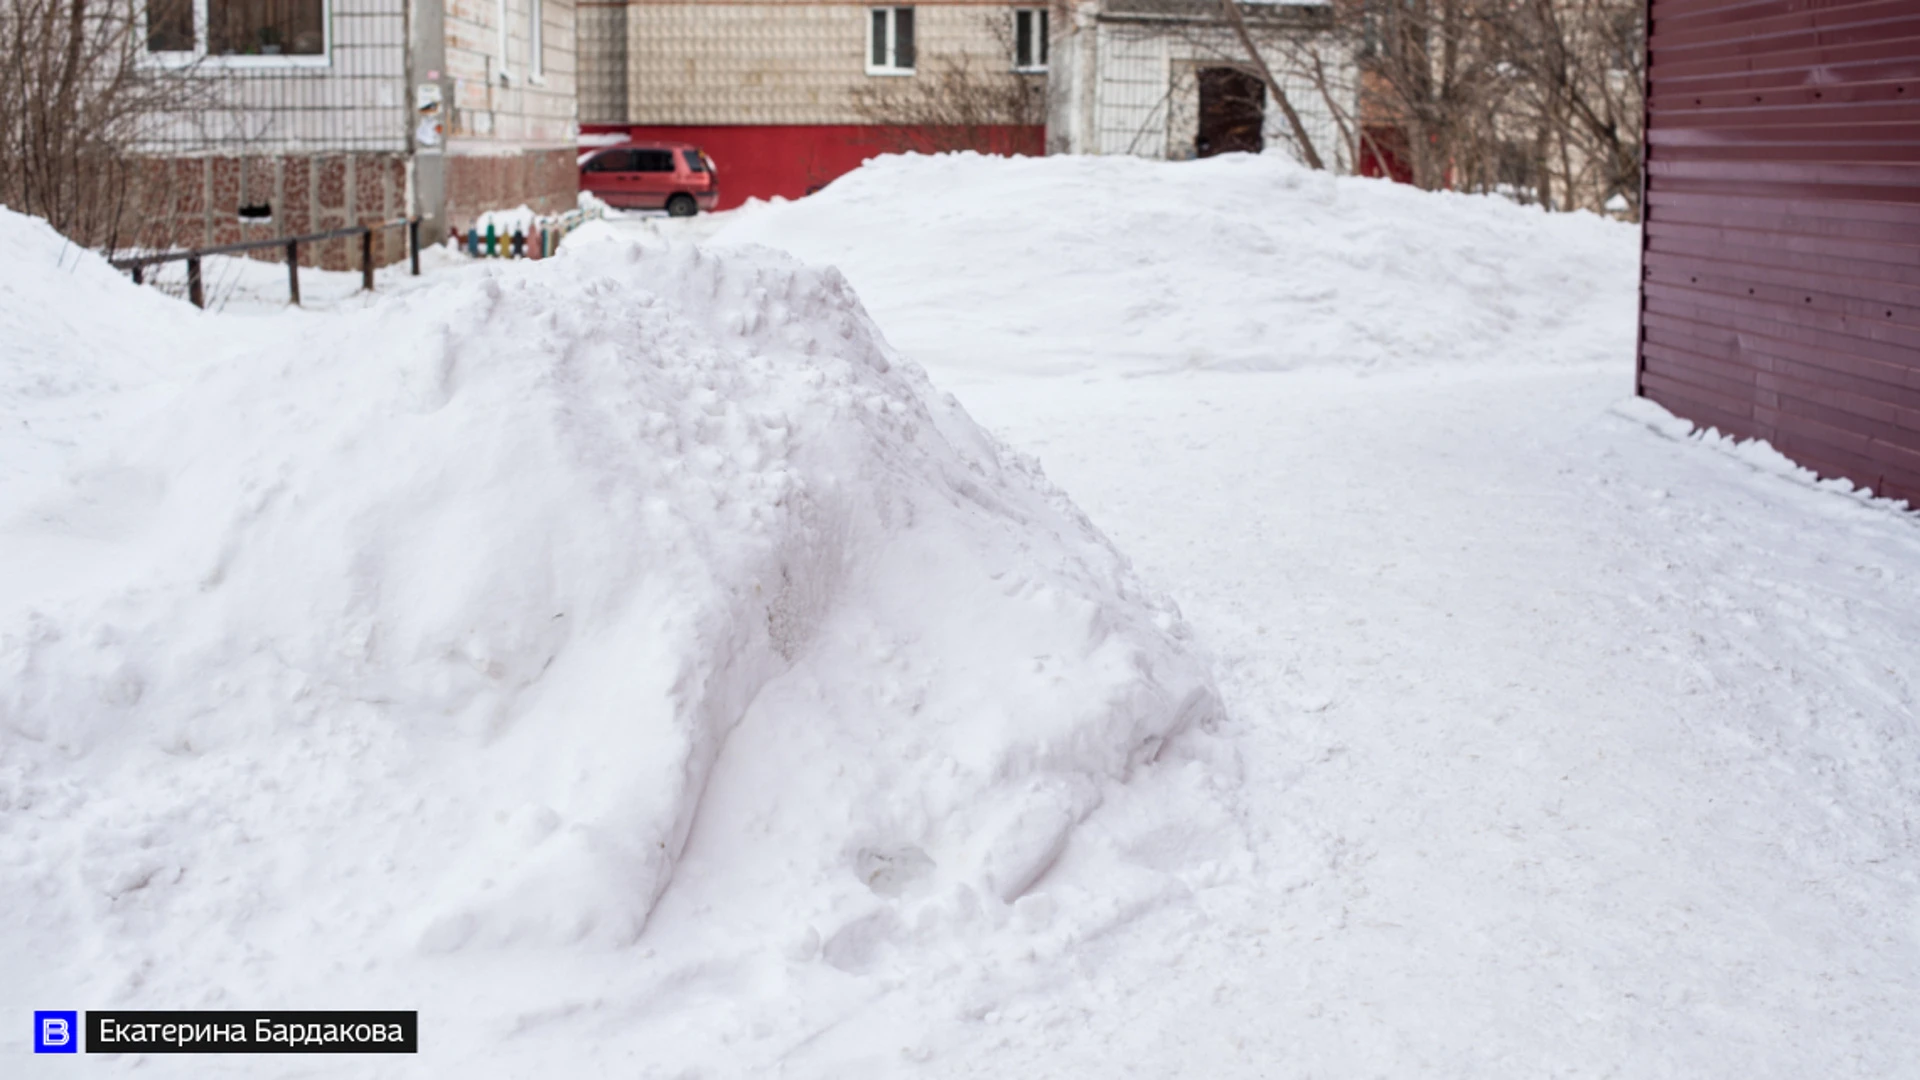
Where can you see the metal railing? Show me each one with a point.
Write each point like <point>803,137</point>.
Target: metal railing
<point>196,291</point>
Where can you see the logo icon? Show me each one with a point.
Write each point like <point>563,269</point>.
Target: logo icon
<point>56,1032</point>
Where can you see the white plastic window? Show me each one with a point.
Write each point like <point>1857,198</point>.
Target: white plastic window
<point>536,39</point>
<point>1030,39</point>
<point>236,33</point>
<point>500,45</point>
<point>890,41</point>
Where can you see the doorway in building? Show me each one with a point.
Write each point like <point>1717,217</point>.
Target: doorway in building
<point>1232,110</point>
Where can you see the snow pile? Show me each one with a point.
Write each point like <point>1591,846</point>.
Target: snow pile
<point>59,353</point>
<point>334,644</point>
<point>594,204</point>
<point>1573,748</point>
<point>1234,262</point>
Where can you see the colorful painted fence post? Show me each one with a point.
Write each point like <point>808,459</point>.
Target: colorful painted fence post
<point>539,239</point>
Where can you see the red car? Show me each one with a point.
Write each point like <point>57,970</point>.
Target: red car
<point>675,177</point>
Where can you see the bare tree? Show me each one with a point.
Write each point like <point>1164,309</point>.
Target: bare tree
<point>1236,19</point>
<point>1537,99</point>
<point>1430,72</point>
<point>1577,68</point>
<point>76,103</point>
<point>1301,55</point>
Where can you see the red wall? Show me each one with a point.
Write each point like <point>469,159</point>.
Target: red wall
<point>1384,153</point>
<point>764,160</point>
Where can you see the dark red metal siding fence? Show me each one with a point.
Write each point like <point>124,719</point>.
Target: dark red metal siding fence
<point>1782,240</point>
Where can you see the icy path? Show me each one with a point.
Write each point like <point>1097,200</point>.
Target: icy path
<point>1570,748</point>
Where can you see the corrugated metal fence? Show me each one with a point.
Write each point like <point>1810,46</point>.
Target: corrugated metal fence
<point>1781,297</point>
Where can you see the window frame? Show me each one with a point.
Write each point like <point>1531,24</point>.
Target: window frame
<point>200,58</point>
<point>196,16</point>
<point>1039,36</point>
<point>502,39</point>
<point>536,41</point>
<point>891,47</point>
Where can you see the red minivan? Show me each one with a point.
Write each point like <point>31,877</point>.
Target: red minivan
<point>675,177</point>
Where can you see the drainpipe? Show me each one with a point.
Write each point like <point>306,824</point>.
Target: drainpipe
<point>1087,77</point>
<point>430,105</point>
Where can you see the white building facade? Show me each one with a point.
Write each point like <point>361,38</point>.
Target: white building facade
<point>1157,78</point>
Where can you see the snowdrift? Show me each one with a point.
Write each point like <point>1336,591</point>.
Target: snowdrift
<point>327,642</point>
<point>1234,262</point>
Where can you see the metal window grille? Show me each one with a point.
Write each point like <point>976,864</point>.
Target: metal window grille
<point>350,97</point>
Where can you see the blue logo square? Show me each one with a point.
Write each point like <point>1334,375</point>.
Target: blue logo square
<point>56,1032</point>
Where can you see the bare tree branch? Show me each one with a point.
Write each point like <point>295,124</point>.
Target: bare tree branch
<point>78,101</point>
<point>959,101</point>
<point>1231,8</point>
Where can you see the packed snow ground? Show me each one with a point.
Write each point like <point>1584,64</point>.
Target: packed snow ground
<point>1555,741</point>
<point>1573,746</point>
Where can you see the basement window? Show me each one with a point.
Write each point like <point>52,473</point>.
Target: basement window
<point>890,41</point>
<point>1030,39</point>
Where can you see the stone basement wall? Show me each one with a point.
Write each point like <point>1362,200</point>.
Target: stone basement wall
<point>195,202</point>
<point>546,180</point>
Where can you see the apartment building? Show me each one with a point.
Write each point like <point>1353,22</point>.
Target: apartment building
<point>786,95</point>
<point>314,114</point>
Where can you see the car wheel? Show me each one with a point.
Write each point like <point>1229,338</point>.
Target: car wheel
<point>682,206</point>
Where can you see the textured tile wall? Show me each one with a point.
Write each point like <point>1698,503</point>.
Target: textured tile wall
<point>781,62</point>
<point>498,97</point>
